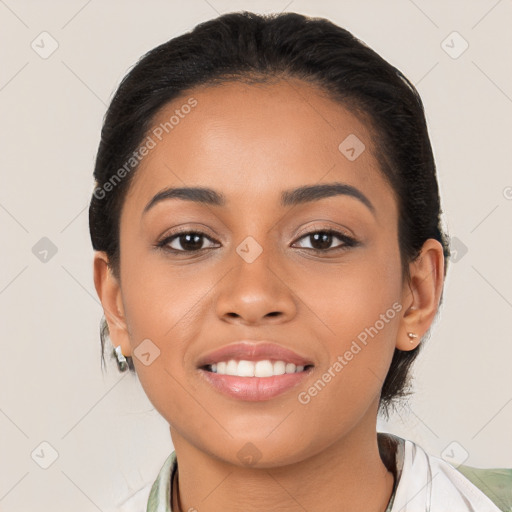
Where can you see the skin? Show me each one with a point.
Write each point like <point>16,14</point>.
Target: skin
<point>251,142</point>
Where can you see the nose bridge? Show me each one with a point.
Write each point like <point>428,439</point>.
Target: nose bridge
<point>256,265</point>
<point>253,289</point>
<point>256,251</point>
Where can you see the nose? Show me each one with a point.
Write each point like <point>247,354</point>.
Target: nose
<point>257,292</point>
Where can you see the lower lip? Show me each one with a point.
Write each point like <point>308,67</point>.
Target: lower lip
<point>255,389</point>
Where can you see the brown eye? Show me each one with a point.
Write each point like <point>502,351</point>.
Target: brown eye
<point>321,241</point>
<point>188,241</point>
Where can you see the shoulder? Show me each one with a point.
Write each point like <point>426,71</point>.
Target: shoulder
<point>161,489</point>
<point>427,482</point>
<point>495,483</point>
<point>154,496</point>
<point>481,488</point>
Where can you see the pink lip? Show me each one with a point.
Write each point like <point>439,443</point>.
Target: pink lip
<point>250,351</point>
<point>254,389</point>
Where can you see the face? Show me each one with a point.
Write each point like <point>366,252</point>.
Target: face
<point>318,274</point>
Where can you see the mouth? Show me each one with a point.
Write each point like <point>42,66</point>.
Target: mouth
<point>242,355</point>
<point>254,371</point>
<point>263,368</point>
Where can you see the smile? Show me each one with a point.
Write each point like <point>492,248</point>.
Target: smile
<point>262,368</point>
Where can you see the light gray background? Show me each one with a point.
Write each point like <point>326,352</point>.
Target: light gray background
<point>108,439</point>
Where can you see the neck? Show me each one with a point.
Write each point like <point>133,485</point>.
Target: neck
<point>348,475</point>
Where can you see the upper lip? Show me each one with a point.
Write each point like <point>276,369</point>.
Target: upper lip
<point>251,351</point>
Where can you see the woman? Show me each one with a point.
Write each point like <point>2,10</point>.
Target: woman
<point>269,257</point>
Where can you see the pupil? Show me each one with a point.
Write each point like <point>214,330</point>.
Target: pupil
<point>191,245</point>
<point>324,239</point>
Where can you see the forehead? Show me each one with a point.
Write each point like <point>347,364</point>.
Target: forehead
<point>255,140</point>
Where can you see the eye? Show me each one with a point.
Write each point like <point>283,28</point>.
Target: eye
<point>189,241</point>
<point>192,241</point>
<point>321,240</point>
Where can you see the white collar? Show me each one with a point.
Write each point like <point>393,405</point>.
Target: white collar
<point>424,483</point>
<point>430,484</point>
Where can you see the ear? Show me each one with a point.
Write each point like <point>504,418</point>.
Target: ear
<point>421,294</point>
<point>109,292</point>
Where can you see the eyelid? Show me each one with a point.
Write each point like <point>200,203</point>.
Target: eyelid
<point>314,228</point>
<point>346,240</point>
<point>188,228</point>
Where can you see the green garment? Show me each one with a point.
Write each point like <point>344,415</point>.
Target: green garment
<point>495,484</point>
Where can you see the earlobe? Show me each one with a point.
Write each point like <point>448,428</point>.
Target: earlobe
<point>109,292</point>
<point>421,295</point>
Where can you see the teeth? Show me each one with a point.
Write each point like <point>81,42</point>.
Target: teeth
<point>245,368</point>
<point>264,368</point>
<point>231,367</point>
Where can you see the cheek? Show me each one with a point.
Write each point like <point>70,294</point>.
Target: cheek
<point>348,297</point>
<point>159,300</point>
<point>159,359</point>
<point>165,312</point>
<point>357,313</point>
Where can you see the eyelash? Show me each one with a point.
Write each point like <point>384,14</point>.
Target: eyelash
<point>347,241</point>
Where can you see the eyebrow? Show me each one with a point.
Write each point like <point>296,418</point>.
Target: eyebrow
<point>292,197</point>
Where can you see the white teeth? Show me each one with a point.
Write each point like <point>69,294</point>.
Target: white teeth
<point>279,368</point>
<point>231,367</point>
<point>290,368</point>
<point>264,368</point>
<point>245,368</point>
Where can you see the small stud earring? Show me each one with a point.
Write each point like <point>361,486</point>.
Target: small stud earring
<point>411,336</point>
<point>122,363</point>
